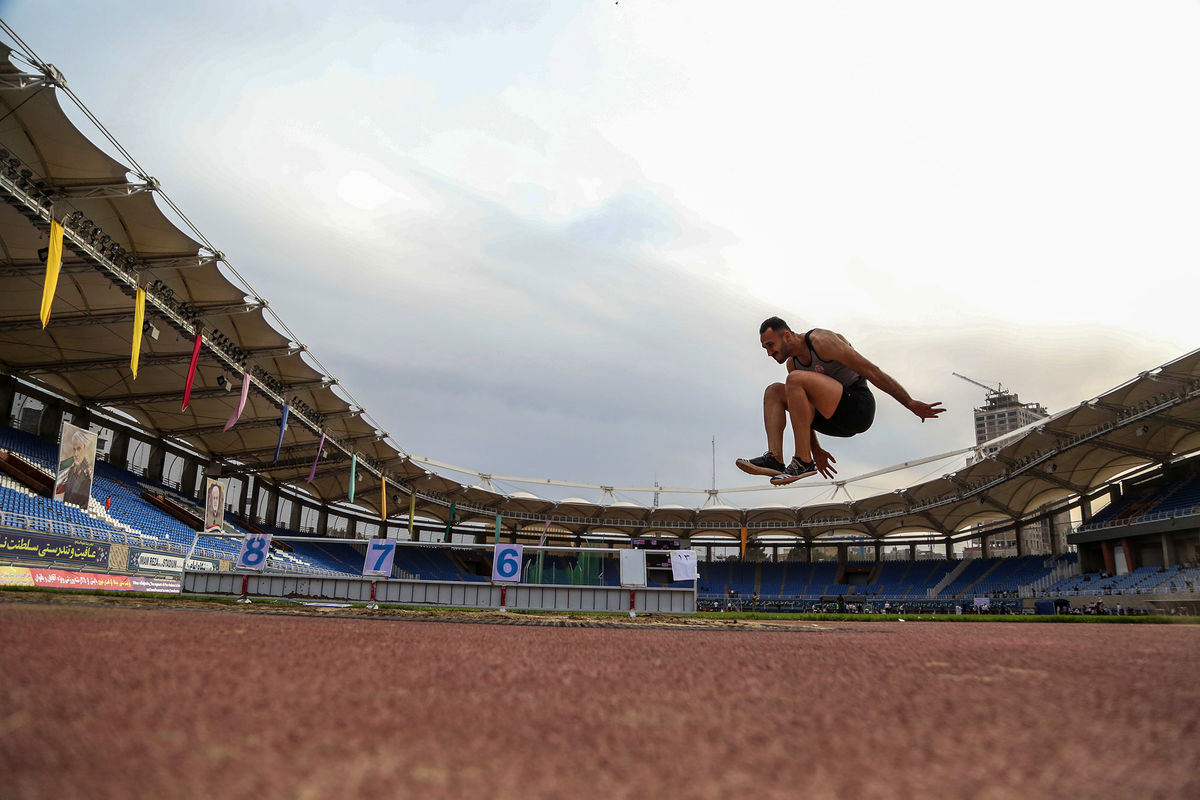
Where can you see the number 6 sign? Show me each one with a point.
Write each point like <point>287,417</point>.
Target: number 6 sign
<point>506,568</point>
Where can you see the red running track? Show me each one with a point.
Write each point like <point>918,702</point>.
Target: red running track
<point>116,702</point>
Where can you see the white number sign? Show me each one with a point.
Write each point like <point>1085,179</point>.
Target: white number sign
<point>683,565</point>
<point>380,554</point>
<point>633,567</point>
<point>506,568</point>
<point>255,549</point>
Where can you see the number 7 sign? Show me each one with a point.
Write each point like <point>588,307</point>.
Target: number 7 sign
<point>380,553</point>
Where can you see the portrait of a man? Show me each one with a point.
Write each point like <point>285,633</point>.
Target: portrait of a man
<point>76,461</point>
<point>214,505</point>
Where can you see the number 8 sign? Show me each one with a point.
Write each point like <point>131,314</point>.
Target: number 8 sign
<point>506,568</point>
<point>254,552</point>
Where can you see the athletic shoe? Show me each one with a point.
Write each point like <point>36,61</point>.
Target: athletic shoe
<point>766,464</point>
<point>795,471</point>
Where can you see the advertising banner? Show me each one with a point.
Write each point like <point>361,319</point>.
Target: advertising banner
<point>157,585</point>
<point>76,464</point>
<point>15,576</point>
<point>36,547</point>
<point>154,561</point>
<point>61,579</point>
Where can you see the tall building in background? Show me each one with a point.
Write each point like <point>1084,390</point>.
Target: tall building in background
<point>1002,412</point>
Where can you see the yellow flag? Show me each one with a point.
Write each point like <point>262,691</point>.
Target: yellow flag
<point>383,500</point>
<point>53,263</point>
<point>139,315</point>
<point>743,556</point>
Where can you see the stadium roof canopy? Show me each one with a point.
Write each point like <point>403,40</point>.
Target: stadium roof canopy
<point>119,238</point>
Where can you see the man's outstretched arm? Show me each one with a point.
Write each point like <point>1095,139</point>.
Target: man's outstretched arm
<point>833,346</point>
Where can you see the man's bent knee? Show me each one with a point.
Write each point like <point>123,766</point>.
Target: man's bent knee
<point>822,391</point>
<point>800,377</point>
<point>776,392</point>
<point>813,384</point>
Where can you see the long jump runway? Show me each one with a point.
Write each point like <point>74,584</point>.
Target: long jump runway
<point>119,702</point>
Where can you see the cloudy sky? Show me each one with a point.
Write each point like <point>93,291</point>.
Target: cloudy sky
<point>537,238</point>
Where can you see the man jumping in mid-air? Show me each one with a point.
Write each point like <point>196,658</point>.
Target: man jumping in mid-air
<point>826,390</point>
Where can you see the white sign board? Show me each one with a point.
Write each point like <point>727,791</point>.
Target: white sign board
<point>255,549</point>
<point>379,557</point>
<point>506,567</point>
<point>633,567</point>
<point>166,563</point>
<point>683,565</point>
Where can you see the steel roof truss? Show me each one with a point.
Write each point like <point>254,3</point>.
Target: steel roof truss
<point>104,191</point>
<point>109,363</point>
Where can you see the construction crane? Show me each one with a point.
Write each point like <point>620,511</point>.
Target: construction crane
<point>999,390</point>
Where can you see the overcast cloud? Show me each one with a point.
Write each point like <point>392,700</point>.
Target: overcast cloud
<point>537,238</point>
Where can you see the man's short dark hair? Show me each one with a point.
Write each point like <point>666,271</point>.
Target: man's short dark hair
<point>775,324</point>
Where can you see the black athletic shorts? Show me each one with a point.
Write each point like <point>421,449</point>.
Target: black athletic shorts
<point>854,414</point>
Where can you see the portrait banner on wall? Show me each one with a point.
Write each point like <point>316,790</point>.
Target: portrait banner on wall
<point>214,504</point>
<point>76,463</point>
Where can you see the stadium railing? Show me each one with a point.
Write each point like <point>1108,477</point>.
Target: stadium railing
<point>464,586</point>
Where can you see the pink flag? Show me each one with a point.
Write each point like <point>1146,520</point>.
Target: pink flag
<point>312,473</point>
<point>237,412</point>
<point>187,387</point>
<point>282,428</point>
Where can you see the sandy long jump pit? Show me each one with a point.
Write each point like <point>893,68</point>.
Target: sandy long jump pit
<point>101,701</point>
